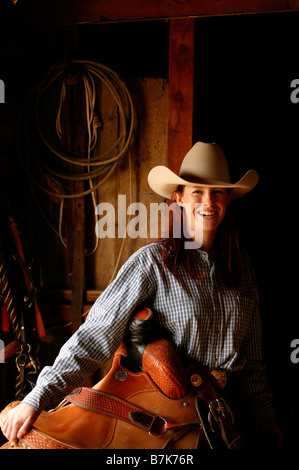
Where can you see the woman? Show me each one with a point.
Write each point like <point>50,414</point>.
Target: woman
<point>198,283</point>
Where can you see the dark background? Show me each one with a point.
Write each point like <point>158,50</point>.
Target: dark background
<point>245,66</point>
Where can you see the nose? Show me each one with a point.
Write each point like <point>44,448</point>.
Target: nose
<point>208,197</point>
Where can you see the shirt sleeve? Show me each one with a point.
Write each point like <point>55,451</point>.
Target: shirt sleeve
<point>96,340</point>
<point>254,379</point>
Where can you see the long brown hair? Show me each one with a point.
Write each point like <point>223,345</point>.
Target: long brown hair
<point>228,253</point>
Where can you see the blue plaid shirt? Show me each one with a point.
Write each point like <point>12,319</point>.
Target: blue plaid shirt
<point>219,327</point>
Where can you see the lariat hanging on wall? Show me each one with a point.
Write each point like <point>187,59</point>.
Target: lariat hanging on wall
<point>52,158</point>
<point>66,151</point>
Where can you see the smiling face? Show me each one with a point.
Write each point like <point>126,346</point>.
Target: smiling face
<point>206,217</point>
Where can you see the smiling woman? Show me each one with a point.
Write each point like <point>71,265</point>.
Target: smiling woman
<point>207,210</point>
<point>206,300</point>
<point>204,181</point>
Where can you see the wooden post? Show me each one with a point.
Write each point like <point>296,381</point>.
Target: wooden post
<point>74,143</point>
<point>181,90</point>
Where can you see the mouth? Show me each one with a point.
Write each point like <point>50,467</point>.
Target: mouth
<point>207,214</point>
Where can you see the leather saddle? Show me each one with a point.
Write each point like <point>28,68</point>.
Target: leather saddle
<point>150,399</point>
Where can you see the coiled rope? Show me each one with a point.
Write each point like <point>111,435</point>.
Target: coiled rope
<point>42,158</point>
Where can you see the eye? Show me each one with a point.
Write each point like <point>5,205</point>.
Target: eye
<point>218,192</point>
<point>197,191</point>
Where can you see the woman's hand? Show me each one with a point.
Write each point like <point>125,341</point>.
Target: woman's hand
<point>18,421</point>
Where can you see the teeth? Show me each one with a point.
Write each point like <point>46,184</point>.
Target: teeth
<point>207,213</point>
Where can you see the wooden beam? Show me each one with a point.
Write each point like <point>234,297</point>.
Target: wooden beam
<point>66,12</point>
<point>73,141</point>
<point>181,90</point>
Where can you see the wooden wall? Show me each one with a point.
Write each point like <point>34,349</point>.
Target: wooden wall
<point>150,96</point>
<point>146,79</point>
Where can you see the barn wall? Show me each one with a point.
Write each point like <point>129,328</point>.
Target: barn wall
<point>26,65</point>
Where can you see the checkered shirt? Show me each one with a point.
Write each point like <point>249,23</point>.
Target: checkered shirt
<point>217,326</point>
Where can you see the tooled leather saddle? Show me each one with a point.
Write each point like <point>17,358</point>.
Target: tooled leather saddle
<point>150,399</point>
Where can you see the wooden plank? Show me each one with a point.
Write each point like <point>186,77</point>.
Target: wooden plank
<point>54,295</point>
<point>181,90</point>
<point>60,12</point>
<point>78,274</point>
<point>92,295</point>
<point>73,142</point>
<point>49,296</point>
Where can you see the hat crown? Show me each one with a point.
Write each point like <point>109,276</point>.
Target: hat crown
<point>205,162</point>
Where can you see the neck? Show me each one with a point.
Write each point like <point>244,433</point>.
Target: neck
<point>208,241</point>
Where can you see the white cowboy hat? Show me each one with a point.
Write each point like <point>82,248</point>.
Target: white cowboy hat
<point>204,165</point>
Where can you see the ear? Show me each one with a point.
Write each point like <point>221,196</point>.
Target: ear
<point>179,198</point>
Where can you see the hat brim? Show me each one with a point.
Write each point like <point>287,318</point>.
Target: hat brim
<point>164,182</point>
